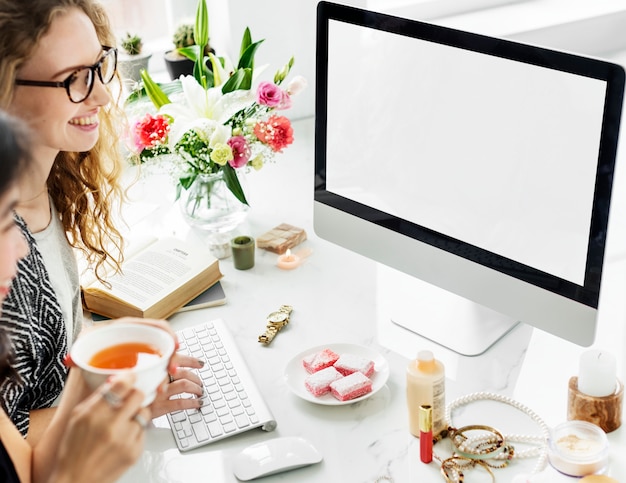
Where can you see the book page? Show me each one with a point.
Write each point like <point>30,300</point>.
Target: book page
<point>156,271</point>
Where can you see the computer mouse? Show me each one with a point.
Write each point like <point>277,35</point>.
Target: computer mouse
<point>274,456</point>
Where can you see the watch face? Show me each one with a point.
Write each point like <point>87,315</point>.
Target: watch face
<point>277,317</point>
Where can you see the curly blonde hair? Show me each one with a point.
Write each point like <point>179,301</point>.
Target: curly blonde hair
<point>84,187</point>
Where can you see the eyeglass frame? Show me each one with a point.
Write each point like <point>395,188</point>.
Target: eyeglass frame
<point>95,68</point>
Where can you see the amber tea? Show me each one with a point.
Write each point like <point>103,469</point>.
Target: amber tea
<point>124,356</point>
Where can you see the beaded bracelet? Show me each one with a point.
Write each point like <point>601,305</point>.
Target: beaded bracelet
<point>452,468</point>
<point>479,448</point>
<point>480,445</point>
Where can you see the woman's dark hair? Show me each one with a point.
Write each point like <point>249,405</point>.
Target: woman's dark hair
<point>6,358</point>
<point>14,150</point>
<point>14,159</point>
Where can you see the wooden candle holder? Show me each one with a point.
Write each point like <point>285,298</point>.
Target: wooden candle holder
<point>605,411</point>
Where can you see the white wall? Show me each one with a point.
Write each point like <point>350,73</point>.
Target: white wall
<point>289,27</point>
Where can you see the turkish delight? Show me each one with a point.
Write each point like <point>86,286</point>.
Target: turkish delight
<point>350,387</point>
<point>319,360</point>
<point>349,363</point>
<point>319,382</point>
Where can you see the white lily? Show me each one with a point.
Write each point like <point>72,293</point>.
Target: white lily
<point>221,73</point>
<point>201,105</point>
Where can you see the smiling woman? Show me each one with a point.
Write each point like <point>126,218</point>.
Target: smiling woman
<point>75,174</point>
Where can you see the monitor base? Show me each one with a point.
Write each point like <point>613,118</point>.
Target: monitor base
<point>458,324</point>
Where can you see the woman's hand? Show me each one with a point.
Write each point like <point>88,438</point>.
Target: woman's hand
<point>180,381</point>
<point>104,434</point>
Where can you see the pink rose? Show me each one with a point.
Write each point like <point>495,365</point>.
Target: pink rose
<point>285,102</point>
<point>269,94</point>
<point>241,151</point>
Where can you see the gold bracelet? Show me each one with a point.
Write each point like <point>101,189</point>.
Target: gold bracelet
<point>481,447</point>
<point>452,468</point>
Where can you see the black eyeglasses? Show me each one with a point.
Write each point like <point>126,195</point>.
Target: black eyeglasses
<point>79,83</point>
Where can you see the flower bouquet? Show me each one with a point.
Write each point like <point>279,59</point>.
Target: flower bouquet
<point>215,124</point>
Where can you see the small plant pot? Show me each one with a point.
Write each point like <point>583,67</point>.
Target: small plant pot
<point>177,65</point>
<point>130,66</point>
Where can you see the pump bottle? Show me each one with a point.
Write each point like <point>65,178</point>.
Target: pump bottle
<point>425,385</point>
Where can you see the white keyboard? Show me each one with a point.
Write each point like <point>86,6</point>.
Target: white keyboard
<point>232,401</point>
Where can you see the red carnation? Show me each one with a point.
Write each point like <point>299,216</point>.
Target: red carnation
<point>151,131</point>
<point>276,132</point>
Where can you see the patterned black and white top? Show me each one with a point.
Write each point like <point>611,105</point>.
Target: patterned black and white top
<point>34,321</point>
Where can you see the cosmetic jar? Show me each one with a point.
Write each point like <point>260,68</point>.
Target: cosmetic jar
<point>578,448</point>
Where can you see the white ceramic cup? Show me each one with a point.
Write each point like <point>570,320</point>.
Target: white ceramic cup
<point>148,375</point>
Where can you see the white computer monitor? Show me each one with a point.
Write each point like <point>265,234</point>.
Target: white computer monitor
<point>481,166</point>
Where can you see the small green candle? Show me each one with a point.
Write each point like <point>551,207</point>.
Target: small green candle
<point>243,252</point>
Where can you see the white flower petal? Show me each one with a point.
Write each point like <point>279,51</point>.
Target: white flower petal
<point>221,134</point>
<point>229,104</point>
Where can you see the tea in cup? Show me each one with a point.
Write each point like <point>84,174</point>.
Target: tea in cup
<point>143,349</point>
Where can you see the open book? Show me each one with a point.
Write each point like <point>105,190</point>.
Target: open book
<point>155,282</point>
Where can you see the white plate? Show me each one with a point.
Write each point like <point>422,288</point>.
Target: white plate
<point>295,373</point>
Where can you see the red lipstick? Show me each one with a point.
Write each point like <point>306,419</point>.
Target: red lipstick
<point>426,433</point>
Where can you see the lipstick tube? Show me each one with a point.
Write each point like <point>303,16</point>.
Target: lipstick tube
<point>426,433</point>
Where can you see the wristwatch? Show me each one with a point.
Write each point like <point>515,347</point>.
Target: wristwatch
<point>275,321</point>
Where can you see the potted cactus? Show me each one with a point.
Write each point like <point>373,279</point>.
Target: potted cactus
<point>132,59</point>
<point>176,62</point>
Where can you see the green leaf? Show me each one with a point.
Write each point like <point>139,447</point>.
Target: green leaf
<point>191,52</point>
<point>245,41</point>
<point>201,29</point>
<point>241,79</point>
<point>198,73</point>
<point>232,182</point>
<point>246,61</point>
<point>168,88</point>
<point>208,74</point>
<point>187,181</point>
<point>155,93</point>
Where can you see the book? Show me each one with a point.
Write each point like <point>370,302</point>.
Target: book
<point>156,281</point>
<point>211,297</point>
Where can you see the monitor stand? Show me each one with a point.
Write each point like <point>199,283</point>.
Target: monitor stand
<point>467,328</point>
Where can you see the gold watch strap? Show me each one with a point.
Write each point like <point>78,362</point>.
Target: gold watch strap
<point>273,327</point>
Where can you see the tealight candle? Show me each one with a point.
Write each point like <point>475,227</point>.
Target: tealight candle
<point>288,261</point>
<point>597,373</point>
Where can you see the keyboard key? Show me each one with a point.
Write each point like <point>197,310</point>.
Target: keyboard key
<point>215,429</point>
<point>178,416</point>
<point>242,421</point>
<point>200,430</point>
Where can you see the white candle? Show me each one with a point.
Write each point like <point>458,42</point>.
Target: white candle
<point>597,374</point>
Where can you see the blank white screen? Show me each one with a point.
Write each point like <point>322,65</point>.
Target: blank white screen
<point>498,154</point>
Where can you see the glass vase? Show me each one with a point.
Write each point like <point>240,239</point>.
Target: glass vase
<point>209,205</point>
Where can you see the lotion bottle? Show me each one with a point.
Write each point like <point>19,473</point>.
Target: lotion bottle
<point>425,385</point>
